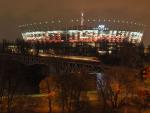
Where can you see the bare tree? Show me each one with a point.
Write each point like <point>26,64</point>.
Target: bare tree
<point>70,87</point>
<point>49,86</point>
<point>2,83</point>
<point>10,77</point>
<point>117,87</point>
<point>130,55</point>
<point>22,46</point>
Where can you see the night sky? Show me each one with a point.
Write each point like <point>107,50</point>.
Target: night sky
<point>18,12</point>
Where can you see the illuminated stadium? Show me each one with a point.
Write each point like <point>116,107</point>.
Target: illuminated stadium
<point>83,30</point>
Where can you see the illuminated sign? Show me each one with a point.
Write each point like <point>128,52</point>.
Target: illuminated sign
<point>101,28</point>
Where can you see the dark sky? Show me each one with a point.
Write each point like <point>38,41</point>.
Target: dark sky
<point>16,12</point>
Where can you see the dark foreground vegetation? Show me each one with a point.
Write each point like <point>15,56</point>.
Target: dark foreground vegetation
<point>120,88</point>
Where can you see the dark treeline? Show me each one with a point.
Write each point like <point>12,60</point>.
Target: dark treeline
<point>62,48</point>
<point>123,53</point>
<point>128,54</point>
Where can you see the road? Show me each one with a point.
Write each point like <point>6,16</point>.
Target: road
<point>83,58</point>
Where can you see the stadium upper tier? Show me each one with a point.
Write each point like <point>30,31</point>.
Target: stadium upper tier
<point>91,31</point>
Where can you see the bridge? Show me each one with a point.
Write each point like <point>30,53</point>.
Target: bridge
<point>55,65</point>
<point>58,64</point>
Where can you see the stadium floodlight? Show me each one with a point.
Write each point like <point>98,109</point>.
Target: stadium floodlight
<point>46,22</point>
<point>123,21</point>
<point>59,21</point>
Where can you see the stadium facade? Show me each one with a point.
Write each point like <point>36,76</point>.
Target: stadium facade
<point>106,36</point>
<point>83,30</point>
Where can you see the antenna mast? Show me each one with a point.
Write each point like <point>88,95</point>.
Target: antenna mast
<point>82,18</point>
